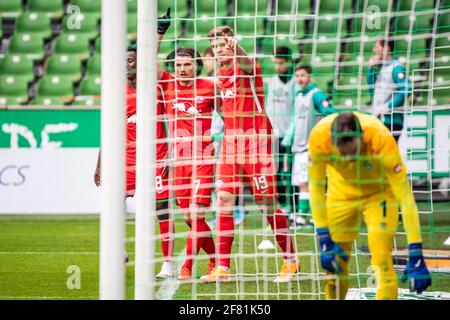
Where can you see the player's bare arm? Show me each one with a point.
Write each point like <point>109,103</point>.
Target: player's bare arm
<point>97,171</point>
<point>163,25</point>
<point>246,63</point>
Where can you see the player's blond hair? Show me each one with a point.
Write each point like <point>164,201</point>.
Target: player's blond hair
<point>220,32</point>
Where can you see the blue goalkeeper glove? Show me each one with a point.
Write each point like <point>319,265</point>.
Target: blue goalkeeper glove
<point>416,270</point>
<point>329,251</point>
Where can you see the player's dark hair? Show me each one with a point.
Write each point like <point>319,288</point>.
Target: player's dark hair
<point>305,67</point>
<point>283,52</point>
<point>185,52</point>
<point>220,32</point>
<point>345,128</point>
<point>387,41</point>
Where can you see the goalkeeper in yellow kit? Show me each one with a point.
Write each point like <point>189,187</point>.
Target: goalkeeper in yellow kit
<point>356,156</point>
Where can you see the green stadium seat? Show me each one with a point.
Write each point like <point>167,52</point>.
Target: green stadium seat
<point>82,23</point>
<point>46,101</point>
<point>413,47</point>
<point>414,24</point>
<point>60,87</point>
<point>209,8</point>
<point>132,26</point>
<point>442,47</point>
<point>283,7</point>
<point>52,8</point>
<point>73,44</point>
<point>29,44</point>
<point>249,26</point>
<point>94,65</point>
<point>10,8</point>
<point>252,8</point>
<point>179,8</point>
<point>417,5</point>
<point>383,5</point>
<point>132,6</point>
<point>14,88</point>
<point>87,101</point>
<point>199,28</point>
<point>17,65</point>
<point>334,7</point>
<point>64,65</point>
<point>34,22</point>
<point>89,6</point>
<point>373,26</point>
<point>267,66</point>
<point>320,47</point>
<point>270,44</point>
<point>443,23</point>
<point>442,76</point>
<point>98,45</point>
<point>90,86</point>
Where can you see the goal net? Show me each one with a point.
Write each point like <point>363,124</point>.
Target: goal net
<point>336,39</point>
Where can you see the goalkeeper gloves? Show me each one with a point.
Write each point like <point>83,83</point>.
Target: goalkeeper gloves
<point>416,270</point>
<point>164,22</point>
<point>329,251</point>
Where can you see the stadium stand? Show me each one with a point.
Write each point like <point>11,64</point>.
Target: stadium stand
<point>51,38</point>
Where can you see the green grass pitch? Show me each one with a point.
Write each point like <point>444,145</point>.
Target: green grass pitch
<point>37,251</point>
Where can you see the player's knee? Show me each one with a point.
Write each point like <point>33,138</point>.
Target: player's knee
<point>225,200</point>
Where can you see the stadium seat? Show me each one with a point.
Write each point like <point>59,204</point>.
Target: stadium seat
<point>73,44</point>
<point>13,89</point>
<point>417,5</point>
<point>267,66</point>
<point>52,8</point>
<point>17,65</point>
<point>442,76</point>
<point>64,65</point>
<point>414,24</point>
<point>59,87</point>
<point>199,28</point>
<point>94,65</point>
<point>132,6</point>
<point>10,8</point>
<point>283,7</point>
<point>252,8</point>
<point>253,26</point>
<point>98,45</point>
<point>90,86</point>
<point>28,44</point>
<point>89,6</point>
<point>443,23</point>
<point>34,22</point>
<point>270,44</point>
<point>132,26</point>
<point>87,101</point>
<point>46,101</point>
<point>82,23</point>
<point>334,7</point>
<point>373,26</point>
<point>179,8</point>
<point>383,5</point>
<point>210,8</point>
<point>442,47</point>
<point>415,48</point>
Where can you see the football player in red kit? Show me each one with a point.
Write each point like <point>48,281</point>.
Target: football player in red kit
<point>188,105</point>
<point>246,153</point>
<point>161,181</point>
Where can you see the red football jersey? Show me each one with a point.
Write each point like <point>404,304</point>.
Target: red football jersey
<point>189,112</point>
<point>161,147</point>
<point>243,102</point>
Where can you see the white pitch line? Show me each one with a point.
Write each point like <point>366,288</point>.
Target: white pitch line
<point>47,253</point>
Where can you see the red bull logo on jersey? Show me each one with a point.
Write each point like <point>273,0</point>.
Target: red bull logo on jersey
<point>185,107</point>
<point>226,94</point>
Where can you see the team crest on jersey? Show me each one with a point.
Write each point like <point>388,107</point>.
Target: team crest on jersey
<point>200,99</point>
